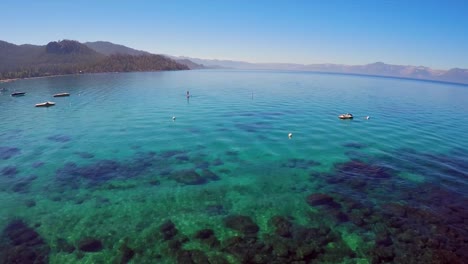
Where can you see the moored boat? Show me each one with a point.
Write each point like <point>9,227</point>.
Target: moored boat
<point>61,94</point>
<point>345,116</point>
<point>45,104</point>
<point>18,94</point>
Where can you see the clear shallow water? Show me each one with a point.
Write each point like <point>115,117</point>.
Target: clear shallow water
<point>109,163</point>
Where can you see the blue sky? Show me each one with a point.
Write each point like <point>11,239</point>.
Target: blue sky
<point>429,33</point>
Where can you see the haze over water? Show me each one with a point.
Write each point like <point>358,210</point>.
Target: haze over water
<point>109,165</point>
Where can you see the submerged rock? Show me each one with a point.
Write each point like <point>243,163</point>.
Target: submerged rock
<point>59,138</point>
<point>182,158</point>
<point>218,162</point>
<point>103,171</point>
<point>356,168</point>
<point>8,152</point>
<point>9,171</point>
<point>207,174</point>
<point>245,249</point>
<point>300,163</point>
<point>192,256</point>
<point>126,254</point>
<point>354,145</point>
<point>321,199</point>
<point>254,126</point>
<point>216,209</point>
<point>282,226</point>
<point>231,153</point>
<point>89,244</point>
<point>37,164</point>
<point>241,223</point>
<point>290,243</point>
<point>168,230</point>
<point>188,177</point>
<point>172,153</point>
<point>217,259</point>
<point>204,233</point>
<point>30,203</point>
<point>208,237</point>
<point>64,246</point>
<point>22,244</point>
<point>203,165</point>
<point>84,155</point>
<point>23,185</point>
<point>100,171</point>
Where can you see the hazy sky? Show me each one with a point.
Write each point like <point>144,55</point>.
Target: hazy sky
<point>429,33</point>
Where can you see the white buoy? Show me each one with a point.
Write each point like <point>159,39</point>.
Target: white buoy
<point>290,135</point>
<point>367,117</point>
<point>173,118</point>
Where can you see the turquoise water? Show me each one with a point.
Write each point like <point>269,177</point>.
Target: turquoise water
<point>110,165</point>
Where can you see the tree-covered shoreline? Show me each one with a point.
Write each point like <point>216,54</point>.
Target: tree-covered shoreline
<point>71,57</point>
<point>113,63</point>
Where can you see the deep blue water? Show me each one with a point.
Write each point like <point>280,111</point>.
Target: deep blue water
<point>109,163</point>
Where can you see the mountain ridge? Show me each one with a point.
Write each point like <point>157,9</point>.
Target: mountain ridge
<point>454,75</point>
<point>109,48</point>
<point>71,53</point>
<point>72,57</point>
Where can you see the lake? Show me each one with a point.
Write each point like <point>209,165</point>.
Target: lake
<point>128,169</point>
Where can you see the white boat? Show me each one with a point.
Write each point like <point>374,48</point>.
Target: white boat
<point>61,94</point>
<point>45,104</point>
<point>345,116</point>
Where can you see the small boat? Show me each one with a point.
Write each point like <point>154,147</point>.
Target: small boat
<point>18,94</point>
<point>345,116</point>
<point>45,104</point>
<point>61,94</point>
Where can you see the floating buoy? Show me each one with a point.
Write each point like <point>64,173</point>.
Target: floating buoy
<point>173,118</point>
<point>367,117</point>
<point>290,135</point>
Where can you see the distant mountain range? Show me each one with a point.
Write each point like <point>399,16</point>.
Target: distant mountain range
<point>68,57</point>
<point>455,75</point>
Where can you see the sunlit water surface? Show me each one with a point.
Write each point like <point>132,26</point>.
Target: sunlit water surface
<point>110,165</point>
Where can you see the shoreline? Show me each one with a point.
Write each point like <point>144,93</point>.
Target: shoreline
<point>28,78</point>
<point>320,72</point>
<point>72,74</point>
<point>8,80</point>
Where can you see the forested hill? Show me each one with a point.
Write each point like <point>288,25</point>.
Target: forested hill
<point>72,57</point>
<point>109,48</point>
<point>132,63</point>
